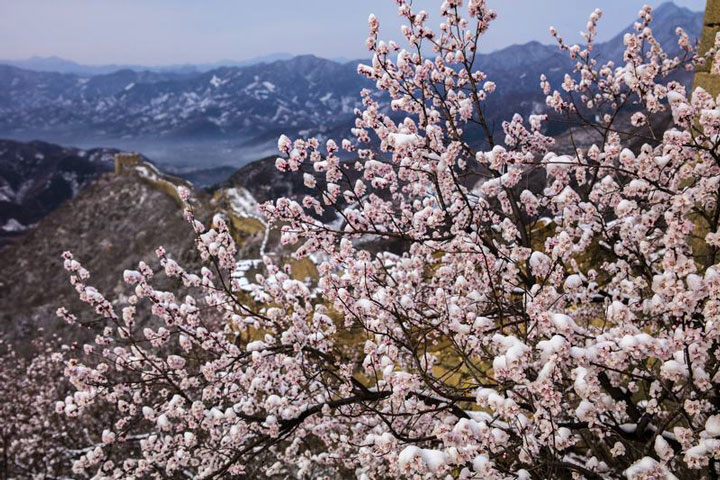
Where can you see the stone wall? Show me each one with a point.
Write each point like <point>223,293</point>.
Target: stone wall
<point>704,76</point>
<point>131,164</point>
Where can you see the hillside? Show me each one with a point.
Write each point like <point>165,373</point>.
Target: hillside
<point>113,216</point>
<point>115,221</point>
<point>37,177</point>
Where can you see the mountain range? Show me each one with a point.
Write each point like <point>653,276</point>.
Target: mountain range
<point>61,65</point>
<point>235,113</point>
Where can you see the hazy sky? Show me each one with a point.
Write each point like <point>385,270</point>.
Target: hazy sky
<point>156,32</point>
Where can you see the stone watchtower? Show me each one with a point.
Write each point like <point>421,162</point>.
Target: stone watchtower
<point>125,162</point>
<point>708,76</point>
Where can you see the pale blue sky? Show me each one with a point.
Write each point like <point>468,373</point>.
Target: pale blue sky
<point>157,32</point>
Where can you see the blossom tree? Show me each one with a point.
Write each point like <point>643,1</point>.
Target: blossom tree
<point>544,315</point>
<point>36,440</point>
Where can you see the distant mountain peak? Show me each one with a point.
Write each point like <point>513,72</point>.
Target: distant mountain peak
<point>670,8</point>
<point>57,64</point>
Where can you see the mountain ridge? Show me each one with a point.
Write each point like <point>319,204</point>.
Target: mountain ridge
<point>37,177</point>
<point>54,63</point>
<point>58,64</point>
<point>249,107</point>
